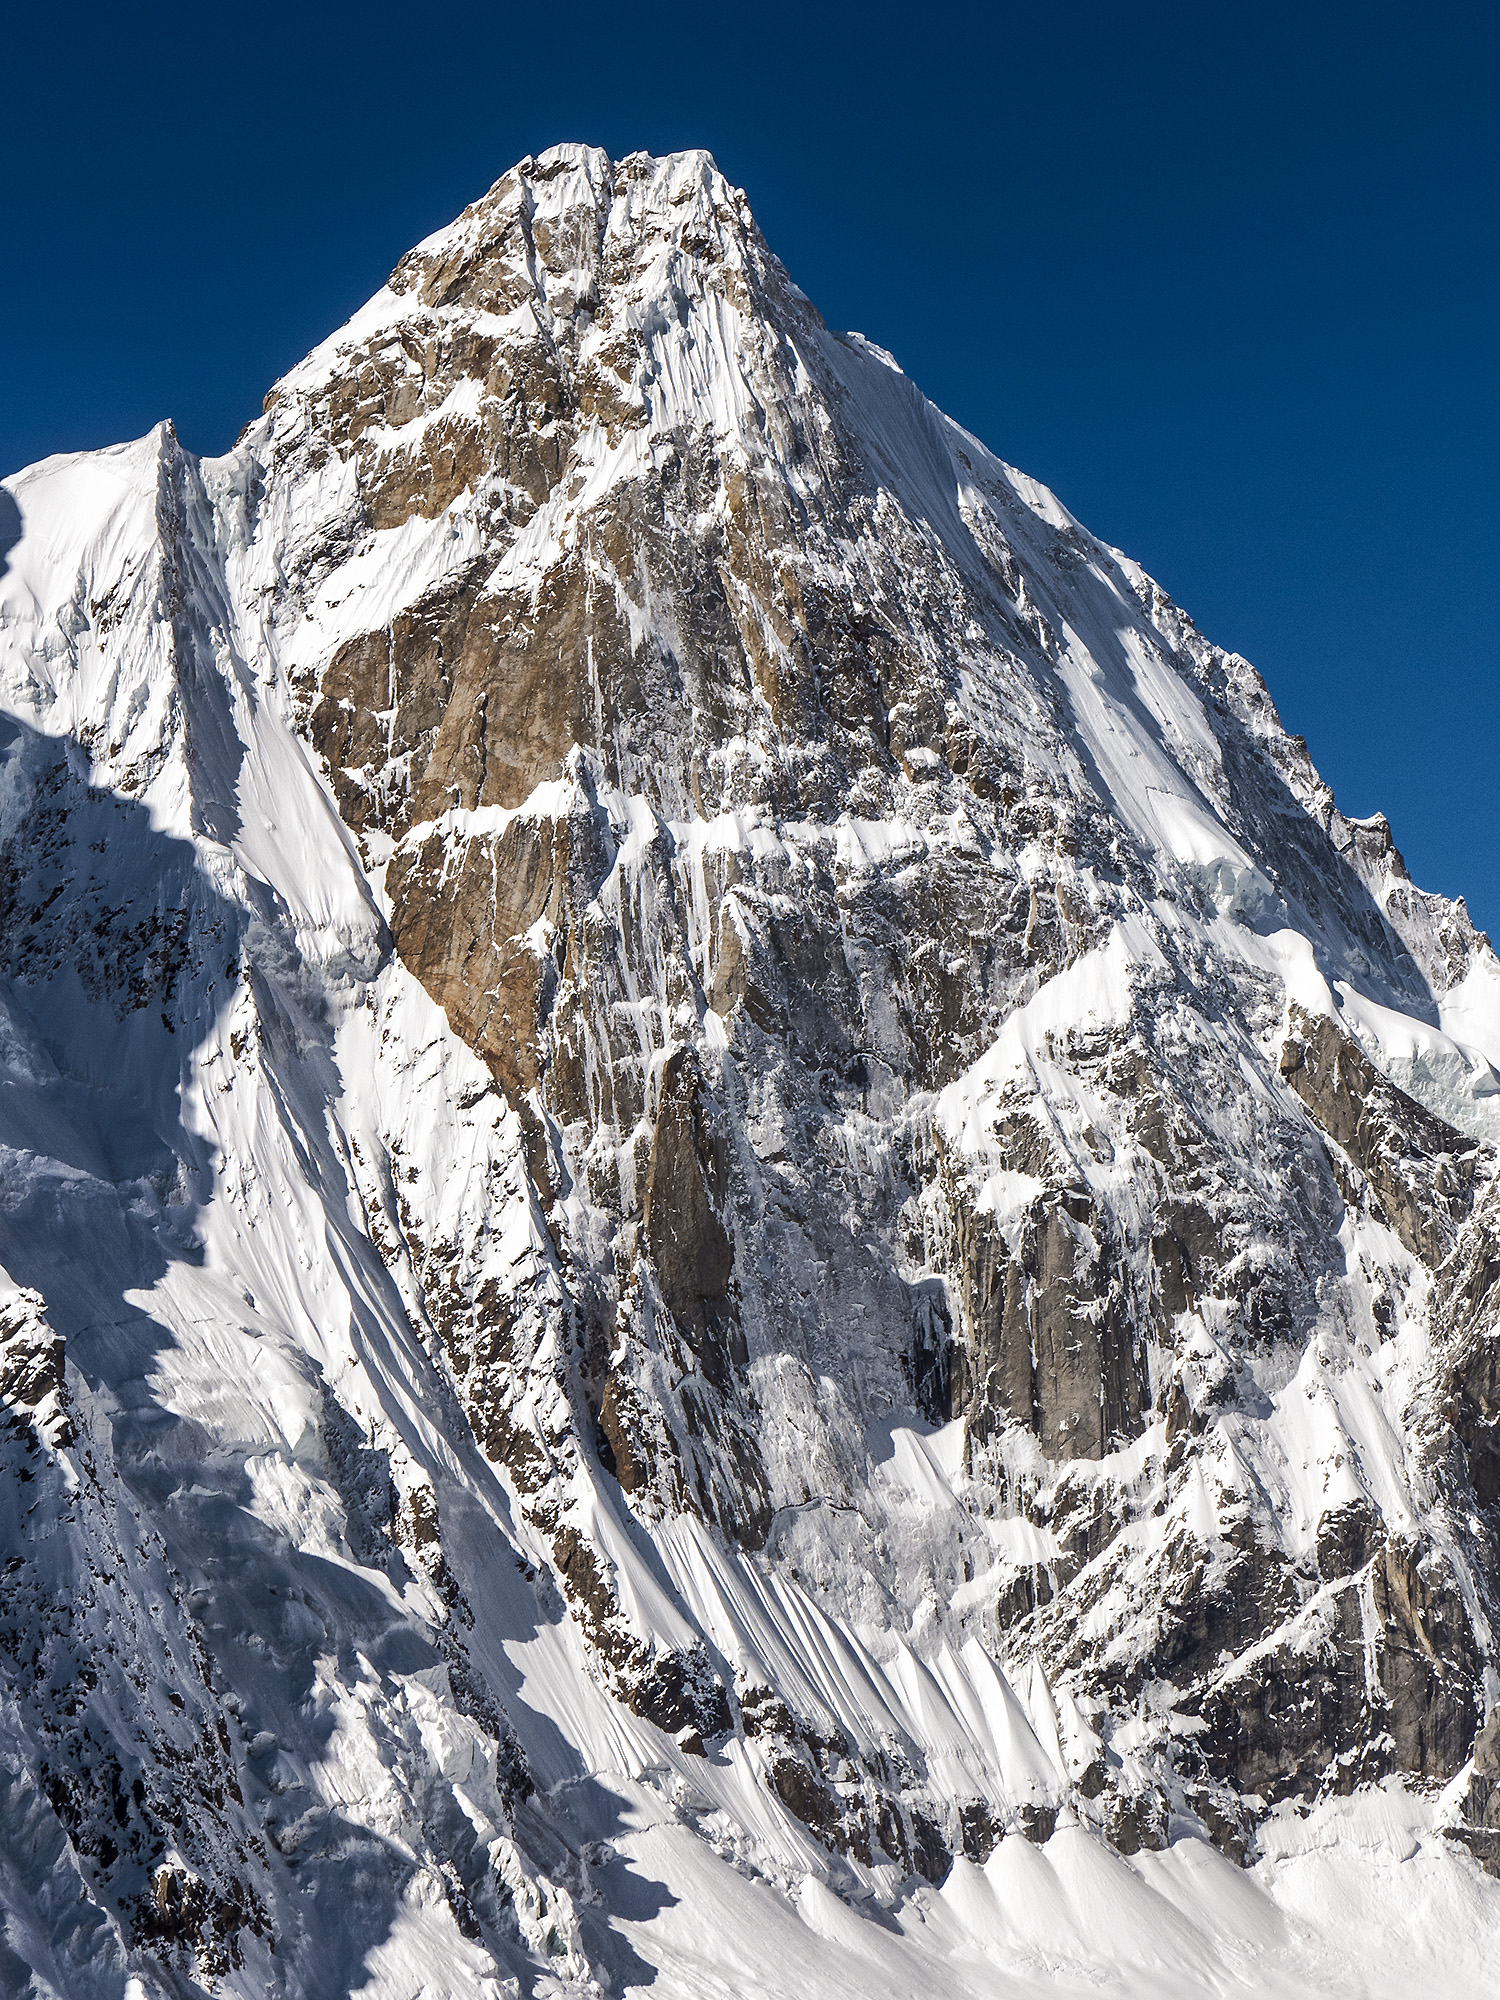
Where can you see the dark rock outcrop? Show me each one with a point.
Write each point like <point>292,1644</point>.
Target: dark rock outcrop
<point>1049,1337</point>
<point>692,1252</point>
<point>1421,1170</point>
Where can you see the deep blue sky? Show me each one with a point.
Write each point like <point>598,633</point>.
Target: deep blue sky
<point>1225,276</point>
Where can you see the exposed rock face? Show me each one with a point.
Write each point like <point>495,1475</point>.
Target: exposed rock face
<point>1469,1313</point>
<point>33,1381</point>
<point>1480,1829</point>
<point>1420,1169</point>
<point>485,922</point>
<point>1378,1673</point>
<point>1050,1341</point>
<point>749,1086</point>
<point>687,1186</point>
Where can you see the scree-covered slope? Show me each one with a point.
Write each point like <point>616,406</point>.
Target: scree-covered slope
<point>743,1252</point>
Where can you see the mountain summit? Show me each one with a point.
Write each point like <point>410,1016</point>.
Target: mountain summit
<point>743,1250</point>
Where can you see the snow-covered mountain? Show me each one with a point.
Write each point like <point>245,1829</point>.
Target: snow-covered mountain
<point>743,1250</point>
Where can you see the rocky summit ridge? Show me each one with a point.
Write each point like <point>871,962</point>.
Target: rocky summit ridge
<point>743,1249</point>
